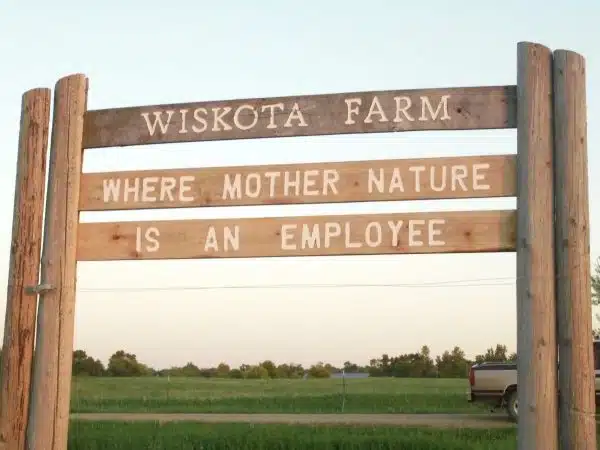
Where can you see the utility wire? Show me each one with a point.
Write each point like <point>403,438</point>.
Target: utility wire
<point>506,281</point>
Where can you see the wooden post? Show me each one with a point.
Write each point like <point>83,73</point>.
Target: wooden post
<point>536,316</point>
<point>51,391</point>
<point>24,267</point>
<point>577,407</point>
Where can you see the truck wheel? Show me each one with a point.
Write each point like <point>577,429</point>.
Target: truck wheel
<point>512,406</point>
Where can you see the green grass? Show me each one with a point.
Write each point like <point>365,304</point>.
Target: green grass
<point>182,395</point>
<point>186,436</point>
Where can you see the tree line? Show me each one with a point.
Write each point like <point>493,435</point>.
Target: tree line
<point>451,364</point>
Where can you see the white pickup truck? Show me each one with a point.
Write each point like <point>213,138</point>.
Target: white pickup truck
<point>496,383</point>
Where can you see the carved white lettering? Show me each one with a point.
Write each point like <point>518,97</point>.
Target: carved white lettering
<point>373,236</point>
<point>433,231</point>
<point>442,106</point>
<point>377,110</point>
<point>438,179</point>
<point>413,232</point>
<point>148,189</point>
<point>352,105</point>
<point>417,170</point>
<point>219,123</point>
<point>158,120</point>
<point>253,113</point>
<point>183,128</point>
<point>232,189</point>
<point>459,173</point>
<point>246,117</point>
<point>253,185</point>
<point>201,119</point>
<point>230,239</point>
<point>224,118</point>
<point>457,177</point>
<point>271,108</point>
<point>295,114</point>
<point>479,178</point>
<point>403,108</point>
<point>146,239</point>
<point>309,182</point>
<point>403,104</point>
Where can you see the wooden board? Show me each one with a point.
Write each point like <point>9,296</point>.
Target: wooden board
<point>468,108</point>
<point>405,179</point>
<point>440,232</point>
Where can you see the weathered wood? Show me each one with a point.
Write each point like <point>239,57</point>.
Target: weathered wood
<point>440,232</point>
<point>24,266</point>
<point>577,408</point>
<point>536,314</point>
<point>49,420</point>
<point>488,107</point>
<point>360,181</point>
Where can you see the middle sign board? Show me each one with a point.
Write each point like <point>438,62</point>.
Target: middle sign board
<point>333,182</point>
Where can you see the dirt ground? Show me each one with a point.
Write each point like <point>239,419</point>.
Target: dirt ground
<point>424,420</point>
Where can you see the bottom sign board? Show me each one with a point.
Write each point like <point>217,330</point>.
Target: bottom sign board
<point>364,234</point>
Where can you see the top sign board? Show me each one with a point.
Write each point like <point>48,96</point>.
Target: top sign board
<point>469,108</point>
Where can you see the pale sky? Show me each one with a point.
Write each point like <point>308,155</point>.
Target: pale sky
<point>142,53</point>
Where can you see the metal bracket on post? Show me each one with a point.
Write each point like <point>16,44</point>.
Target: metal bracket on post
<point>39,289</point>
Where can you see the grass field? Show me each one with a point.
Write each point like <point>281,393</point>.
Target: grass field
<point>183,395</point>
<point>187,395</point>
<point>147,436</point>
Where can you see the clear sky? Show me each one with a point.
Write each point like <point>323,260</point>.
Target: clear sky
<point>144,52</point>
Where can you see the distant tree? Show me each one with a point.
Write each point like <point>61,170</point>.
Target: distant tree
<point>208,372</point>
<point>331,368</point>
<point>270,367</point>
<point>236,373</point>
<point>190,370</point>
<point>290,370</point>
<point>350,367</point>
<point>319,371</point>
<point>413,365</point>
<point>256,372</point>
<point>84,365</point>
<point>223,370</point>
<point>498,354</point>
<point>122,364</point>
<point>452,364</point>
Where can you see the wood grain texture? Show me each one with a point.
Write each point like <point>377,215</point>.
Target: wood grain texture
<point>54,353</point>
<point>536,312</point>
<point>360,181</point>
<point>468,108</point>
<point>576,371</point>
<point>24,266</point>
<point>367,234</point>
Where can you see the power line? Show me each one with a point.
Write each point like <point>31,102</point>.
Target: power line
<point>506,281</point>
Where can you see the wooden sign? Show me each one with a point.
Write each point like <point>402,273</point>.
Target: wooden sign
<point>405,179</point>
<point>469,108</point>
<point>374,234</point>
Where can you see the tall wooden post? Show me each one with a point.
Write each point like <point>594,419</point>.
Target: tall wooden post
<point>51,391</point>
<point>536,316</point>
<point>574,307</point>
<point>24,266</point>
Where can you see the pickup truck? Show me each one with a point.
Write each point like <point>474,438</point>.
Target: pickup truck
<point>495,383</point>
